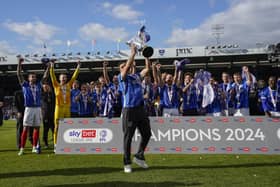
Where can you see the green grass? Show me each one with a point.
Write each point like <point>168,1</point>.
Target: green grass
<point>48,169</point>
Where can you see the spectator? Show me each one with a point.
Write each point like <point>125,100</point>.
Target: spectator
<point>261,85</point>
<point>214,109</point>
<point>240,95</point>
<point>113,104</point>
<point>91,86</point>
<point>149,95</point>
<point>270,98</point>
<point>1,106</point>
<point>225,87</point>
<point>189,104</point>
<point>48,106</point>
<point>84,102</point>
<point>74,104</point>
<point>168,91</point>
<point>96,100</point>
<point>101,96</point>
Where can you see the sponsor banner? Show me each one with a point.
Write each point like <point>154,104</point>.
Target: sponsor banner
<point>178,135</point>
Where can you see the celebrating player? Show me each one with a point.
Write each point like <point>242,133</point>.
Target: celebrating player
<point>62,96</point>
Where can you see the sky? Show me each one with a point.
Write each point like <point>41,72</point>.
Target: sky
<point>26,26</point>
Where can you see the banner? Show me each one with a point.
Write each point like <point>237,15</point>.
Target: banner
<point>179,135</point>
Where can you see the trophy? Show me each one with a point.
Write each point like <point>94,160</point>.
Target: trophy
<point>140,41</point>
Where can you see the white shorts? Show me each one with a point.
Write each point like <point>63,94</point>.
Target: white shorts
<point>242,112</point>
<point>168,112</point>
<point>32,117</point>
<point>274,114</point>
<point>215,114</point>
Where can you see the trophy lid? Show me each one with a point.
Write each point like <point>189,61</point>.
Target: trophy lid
<point>148,51</point>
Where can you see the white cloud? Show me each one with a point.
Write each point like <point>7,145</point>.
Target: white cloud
<point>37,31</point>
<point>97,31</point>
<point>121,11</point>
<point>6,48</point>
<point>107,5</point>
<point>125,12</point>
<point>246,23</point>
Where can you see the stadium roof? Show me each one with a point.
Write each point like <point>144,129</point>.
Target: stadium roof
<point>201,57</point>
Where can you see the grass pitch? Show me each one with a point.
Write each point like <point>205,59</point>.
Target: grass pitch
<point>50,170</point>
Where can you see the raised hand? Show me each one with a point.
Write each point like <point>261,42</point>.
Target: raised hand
<point>105,64</point>
<point>245,69</point>
<point>133,49</point>
<point>158,66</point>
<point>51,63</point>
<point>20,59</point>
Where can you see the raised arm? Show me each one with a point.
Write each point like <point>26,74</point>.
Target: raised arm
<point>175,79</point>
<point>179,81</point>
<point>154,72</point>
<point>185,89</point>
<point>133,67</point>
<point>53,77</point>
<point>46,74</point>
<point>160,80</point>
<point>19,69</point>
<point>147,68</point>
<point>129,62</point>
<point>248,75</point>
<point>105,72</point>
<point>76,73</point>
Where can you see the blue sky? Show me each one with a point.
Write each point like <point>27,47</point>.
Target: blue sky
<point>27,25</point>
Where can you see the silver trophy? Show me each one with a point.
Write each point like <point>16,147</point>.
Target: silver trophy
<point>140,41</point>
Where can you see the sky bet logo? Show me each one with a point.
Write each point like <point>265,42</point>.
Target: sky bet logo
<point>88,133</point>
<point>83,133</point>
<point>98,135</point>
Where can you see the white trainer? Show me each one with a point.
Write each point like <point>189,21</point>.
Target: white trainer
<point>140,163</point>
<point>20,152</point>
<point>34,150</point>
<point>127,169</point>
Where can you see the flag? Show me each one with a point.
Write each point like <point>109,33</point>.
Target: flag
<point>68,43</point>
<point>108,109</point>
<point>208,95</point>
<point>180,64</point>
<point>202,79</point>
<point>93,42</point>
<point>44,46</point>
